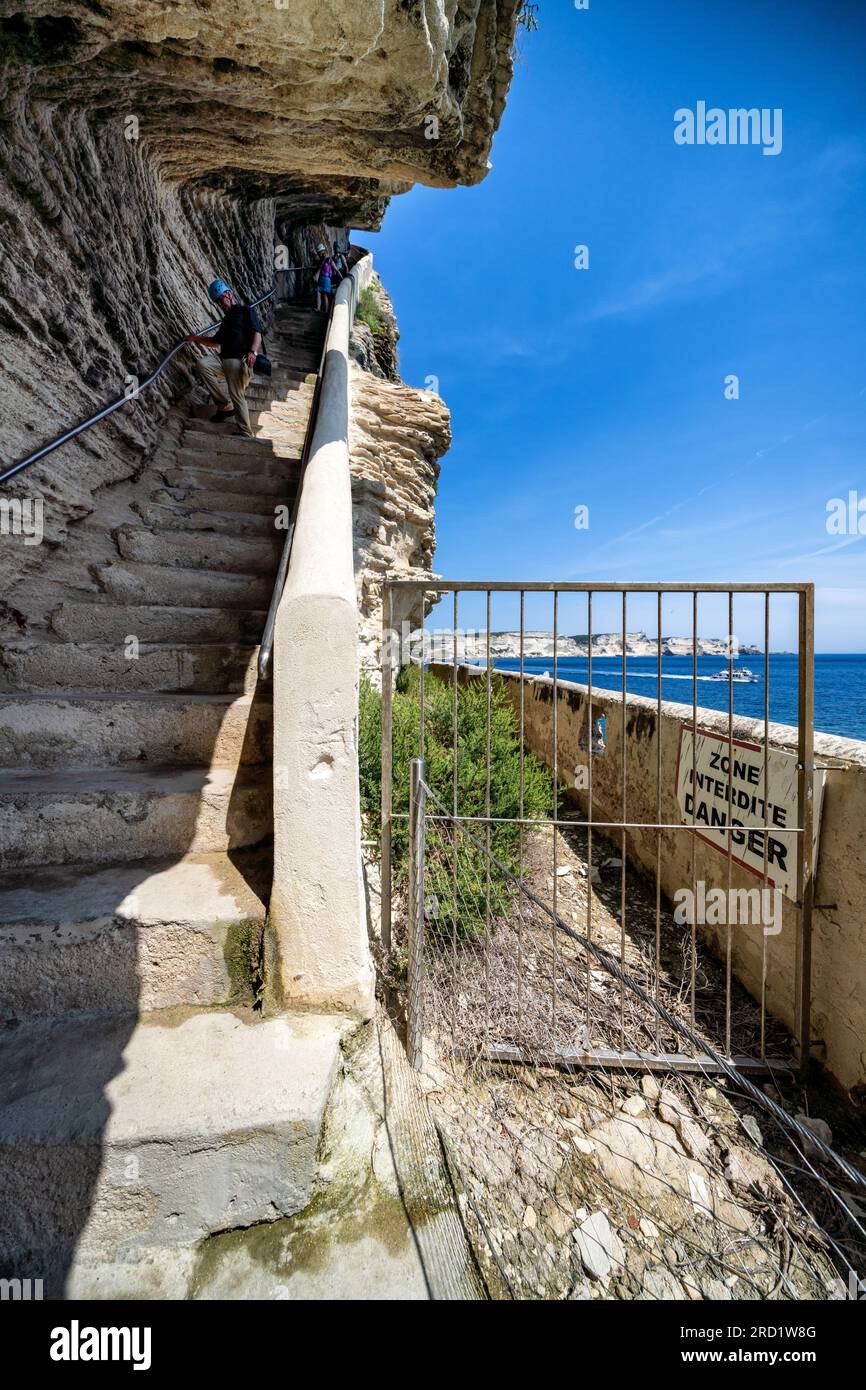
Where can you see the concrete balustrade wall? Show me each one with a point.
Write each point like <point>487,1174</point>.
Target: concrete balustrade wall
<point>318,953</point>
<point>839,922</point>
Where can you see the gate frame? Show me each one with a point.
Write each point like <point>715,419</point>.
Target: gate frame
<point>806,856</point>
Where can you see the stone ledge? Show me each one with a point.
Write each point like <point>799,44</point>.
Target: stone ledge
<point>123,1136</point>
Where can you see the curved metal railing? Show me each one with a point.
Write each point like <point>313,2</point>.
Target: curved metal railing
<point>113,405</point>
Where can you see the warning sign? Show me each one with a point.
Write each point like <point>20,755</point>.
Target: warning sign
<point>716,791</point>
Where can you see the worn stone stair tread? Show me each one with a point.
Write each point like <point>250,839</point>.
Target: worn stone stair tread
<point>296,392</point>
<point>101,621</point>
<point>26,664</point>
<point>205,429</point>
<point>119,1115</point>
<point>151,778</point>
<point>120,814</point>
<point>194,474</point>
<point>192,891</point>
<point>217,473</point>
<point>193,587</point>
<point>209,550</point>
<point>109,728</point>
<point>199,434</point>
<point>288,412</point>
<point>156,934</point>
<point>269,465</point>
<point>179,516</point>
<point>204,499</point>
<point>261,456</point>
<point>166,1080</point>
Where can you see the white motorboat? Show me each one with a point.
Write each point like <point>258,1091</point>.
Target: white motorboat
<point>740,675</point>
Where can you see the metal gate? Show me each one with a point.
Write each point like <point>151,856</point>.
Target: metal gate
<point>547,933</point>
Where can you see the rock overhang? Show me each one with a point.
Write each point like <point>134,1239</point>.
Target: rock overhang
<point>329,109</point>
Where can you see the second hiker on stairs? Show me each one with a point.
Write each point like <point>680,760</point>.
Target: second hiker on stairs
<point>239,339</point>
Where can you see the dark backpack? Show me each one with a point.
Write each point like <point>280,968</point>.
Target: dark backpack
<point>264,366</point>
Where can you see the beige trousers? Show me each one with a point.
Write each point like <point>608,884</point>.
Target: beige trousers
<point>227,380</point>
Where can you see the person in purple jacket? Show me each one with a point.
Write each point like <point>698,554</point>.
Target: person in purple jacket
<point>324,278</point>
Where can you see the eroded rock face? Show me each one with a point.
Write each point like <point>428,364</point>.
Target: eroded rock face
<point>289,96</point>
<point>147,147</point>
<point>397,436</point>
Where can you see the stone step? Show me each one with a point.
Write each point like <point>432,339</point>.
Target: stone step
<point>142,727</point>
<point>205,499</point>
<point>203,436</point>
<point>270,464</point>
<point>105,622</point>
<point>220,667</point>
<point>292,369</point>
<point>191,473</point>
<point>200,550</point>
<point>180,517</point>
<point>297,390</point>
<point>131,937</point>
<point>276,429</point>
<point>292,416</point>
<point>126,1139</point>
<point>292,433</point>
<point>193,588</point>
<point>302,357</point>
<point>118,815</point>
<point>205,433</point>
<point>298,372</point>
<point>295,413</point>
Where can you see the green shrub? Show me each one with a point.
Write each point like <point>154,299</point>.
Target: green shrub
<point>369,312</point>
<point>460,876</point>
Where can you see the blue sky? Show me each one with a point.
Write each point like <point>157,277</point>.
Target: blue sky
<point>606,387</point>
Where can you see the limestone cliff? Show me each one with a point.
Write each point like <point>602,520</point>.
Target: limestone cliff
<point>145,147</point>
<point>398,433</point>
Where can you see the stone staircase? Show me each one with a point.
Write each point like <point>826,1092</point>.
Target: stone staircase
<point>135,816</point>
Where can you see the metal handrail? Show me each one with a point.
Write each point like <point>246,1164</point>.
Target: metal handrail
<point>113,405</point>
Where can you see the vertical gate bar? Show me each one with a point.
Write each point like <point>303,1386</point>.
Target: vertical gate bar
<point>658,944</point>
<point>729,818</point>
<point>622,832</point>
<point>522,721</point>
<point>454,754</point>
<point>386,789</point>
<point>487,916</point>
<point>694,838</point>
<point>555,717</point>
<point>766,819</point>
<point>589,734</point>
<point>415,944</point>
<point>520,813</point>
<point>421,678</point>
<point>805,866</point>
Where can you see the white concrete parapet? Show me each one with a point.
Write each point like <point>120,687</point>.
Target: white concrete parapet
<point>319,953</point>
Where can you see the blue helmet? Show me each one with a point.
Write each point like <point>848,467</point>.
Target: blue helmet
<point>217,288</point>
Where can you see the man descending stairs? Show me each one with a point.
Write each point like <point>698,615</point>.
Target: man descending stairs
<point>138,1110</point>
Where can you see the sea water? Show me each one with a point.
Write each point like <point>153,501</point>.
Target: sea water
<point>840,684</point>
